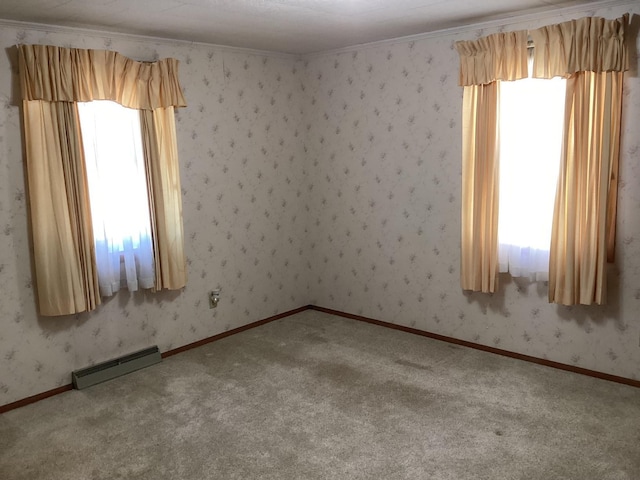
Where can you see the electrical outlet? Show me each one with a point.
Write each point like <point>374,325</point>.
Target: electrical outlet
<point>214,298</point>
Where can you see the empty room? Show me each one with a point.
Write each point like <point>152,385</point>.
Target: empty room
<point>319,239</point>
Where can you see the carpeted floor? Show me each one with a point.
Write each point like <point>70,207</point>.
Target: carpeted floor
<point>315,396</point>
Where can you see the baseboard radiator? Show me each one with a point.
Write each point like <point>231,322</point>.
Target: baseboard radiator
<point>104,371</point>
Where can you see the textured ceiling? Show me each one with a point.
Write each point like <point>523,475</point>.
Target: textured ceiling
<point>291,26</point>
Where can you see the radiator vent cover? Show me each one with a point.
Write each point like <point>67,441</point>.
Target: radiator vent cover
<point>104,371</point>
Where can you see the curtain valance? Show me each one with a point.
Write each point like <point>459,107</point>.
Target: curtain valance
<point>501,56</point>
<point>590,44</point>
<point>58,74</point>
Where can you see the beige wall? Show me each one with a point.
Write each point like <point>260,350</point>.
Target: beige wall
<point>384,146</point>
<point>242,170</point>
<point>335,181</point>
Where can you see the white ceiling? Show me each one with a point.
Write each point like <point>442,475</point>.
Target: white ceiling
<point>291,26</point>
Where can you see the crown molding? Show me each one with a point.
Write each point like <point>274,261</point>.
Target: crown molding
<point>98,33</point>
<point>495,23</point>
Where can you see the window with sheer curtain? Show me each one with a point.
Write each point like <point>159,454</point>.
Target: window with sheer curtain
<point>103,174</point>
<point>531,119</point>
<point>112,142</point>
<point>590,55</point>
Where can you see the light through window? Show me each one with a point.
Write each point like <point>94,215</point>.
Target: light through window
<point>112,142</point>
<point>531,126</point>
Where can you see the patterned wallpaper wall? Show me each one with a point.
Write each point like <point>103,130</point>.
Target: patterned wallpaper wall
<point>384,143</point>
<point>334,180</point>
<point>242,171</point>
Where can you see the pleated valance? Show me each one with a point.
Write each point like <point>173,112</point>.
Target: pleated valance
<point>590,44</point>
<point>58,74</point>
<point>501,56</point>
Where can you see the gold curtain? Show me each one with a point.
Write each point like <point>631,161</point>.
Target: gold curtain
<point>52,80</point>
<point>583,234</point>
<point>58,74</point>
<point>591,53</point>
<point>480,181</point>
<point>483,63</point>
<point>66,278</point>
<point>165,195</point>
<point>501,56</point>
<point>590,44</point>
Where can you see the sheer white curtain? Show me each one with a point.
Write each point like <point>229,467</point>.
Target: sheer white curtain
<point>531,126</point>
<point>111,137</point>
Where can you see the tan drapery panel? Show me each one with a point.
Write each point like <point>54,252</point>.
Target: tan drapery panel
<point>583,233</point>
<point>66,278</point>
<point>52,80</point>
<point>590,44</point>
<point>592,54</point>
<point>480,180</point>
<point>501,56</point>
<point>165,196</point>
<point>58,74</point>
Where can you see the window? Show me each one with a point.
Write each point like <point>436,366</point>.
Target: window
<point>61,144</point>
<point>112,143</point>
<point>531,126</point>
<point>591,54</point>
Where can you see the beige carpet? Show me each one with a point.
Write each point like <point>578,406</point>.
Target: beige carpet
<point>314,396</point>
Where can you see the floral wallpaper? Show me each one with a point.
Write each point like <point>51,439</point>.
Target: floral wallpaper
<point>384,144</point>
<point>245,213</point>
<point>331,180</point>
